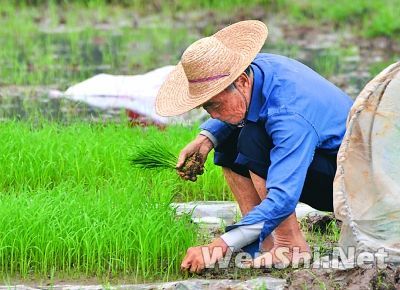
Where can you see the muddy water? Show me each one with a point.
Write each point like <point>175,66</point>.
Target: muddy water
<point>346,60</point>
<point>19,102</point>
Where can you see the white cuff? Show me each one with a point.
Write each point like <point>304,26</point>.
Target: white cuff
<point>209,136</point>
<point>242,235</point>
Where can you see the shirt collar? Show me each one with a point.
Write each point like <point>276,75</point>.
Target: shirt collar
<point>256,101</point>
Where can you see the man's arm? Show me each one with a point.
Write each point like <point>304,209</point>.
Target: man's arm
<point>294,141</point>
<point>216,130</point>
<point>242,236</point>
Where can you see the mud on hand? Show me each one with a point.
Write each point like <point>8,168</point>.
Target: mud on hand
<point>193,166</point>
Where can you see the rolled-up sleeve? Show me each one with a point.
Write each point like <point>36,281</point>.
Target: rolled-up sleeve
<point>218,129</point>
<point>294,141</point>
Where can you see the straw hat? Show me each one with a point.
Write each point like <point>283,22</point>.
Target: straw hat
<point>210,65</point>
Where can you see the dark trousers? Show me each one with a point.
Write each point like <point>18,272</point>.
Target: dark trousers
<point>248,148</point>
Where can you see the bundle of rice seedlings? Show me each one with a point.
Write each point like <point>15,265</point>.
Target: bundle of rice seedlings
<point>155,155</point>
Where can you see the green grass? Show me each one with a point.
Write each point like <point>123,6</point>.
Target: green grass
<point>371,18</point>
<point>380,66</point>
<point>324,240</point>
<point>72,204</point>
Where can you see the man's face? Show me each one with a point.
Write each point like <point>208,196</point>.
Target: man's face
<point>230,105</point>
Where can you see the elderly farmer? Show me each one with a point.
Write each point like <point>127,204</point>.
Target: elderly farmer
<point>275,126</point>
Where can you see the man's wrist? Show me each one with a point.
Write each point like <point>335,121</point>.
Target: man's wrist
<point>218,242</point>
<point>210,137</point>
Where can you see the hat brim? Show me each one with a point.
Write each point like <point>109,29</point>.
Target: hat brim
<point>245,37</point>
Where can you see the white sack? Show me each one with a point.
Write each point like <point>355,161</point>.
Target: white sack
<point>136,93</point>
<point>367,182</point>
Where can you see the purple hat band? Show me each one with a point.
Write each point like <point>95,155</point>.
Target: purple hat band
<point>203,80</point>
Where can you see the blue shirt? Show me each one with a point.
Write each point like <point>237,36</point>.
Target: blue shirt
<point>301,111</point>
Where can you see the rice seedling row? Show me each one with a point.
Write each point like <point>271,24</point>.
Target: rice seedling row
<point>72,204</point>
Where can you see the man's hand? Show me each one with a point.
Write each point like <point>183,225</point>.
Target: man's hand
<point>194,259</point>
<point>202,145</point>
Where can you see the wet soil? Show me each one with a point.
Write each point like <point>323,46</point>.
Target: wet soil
<point>320,223</point>
<point>357,278</point>
<point>193,166</point>
<point>346,59</point>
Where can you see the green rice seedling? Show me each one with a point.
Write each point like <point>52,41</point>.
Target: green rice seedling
<point>327,62</point>
<point>63,42</point>
<point>71,205</point>
<point>321,238</point>
<point>154,155</point>
<point>376,68</point>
